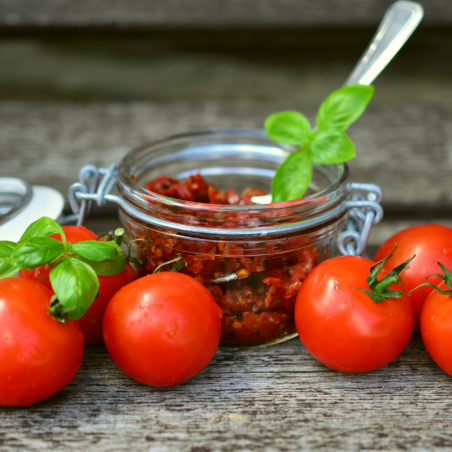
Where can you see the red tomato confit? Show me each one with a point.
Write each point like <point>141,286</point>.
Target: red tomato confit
<point>39,355</point>
<point>342,326</point>
<point>162,329</point>
<point>436,328</point>
<point>431,243</point>
<point>108,285</point>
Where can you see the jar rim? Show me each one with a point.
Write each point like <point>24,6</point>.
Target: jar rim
<point>131,189</point>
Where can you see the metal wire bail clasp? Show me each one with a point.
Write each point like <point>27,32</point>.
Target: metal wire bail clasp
<point>365,211</point>
<point>91,187</point>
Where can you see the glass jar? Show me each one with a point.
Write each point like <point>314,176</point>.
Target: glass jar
<point>253,259</point>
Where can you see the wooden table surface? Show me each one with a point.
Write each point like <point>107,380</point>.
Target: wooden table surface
<point>85,81</point>
<point>277,398</point>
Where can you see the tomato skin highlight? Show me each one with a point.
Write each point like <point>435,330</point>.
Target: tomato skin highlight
<point>108,285</point>
<point>436,328</point>
<point>431,243</point>
<point>162,329</point>
<point>341,326</point>
<point>39,355</point>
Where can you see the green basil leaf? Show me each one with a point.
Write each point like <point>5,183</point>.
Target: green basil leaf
<point>292,177</point>
<point>344,106</point>
<point>43,227</point>
<point>288,127</point>
<point>34,252</point>
<point>94,250</point>
<point>6,267</point>
<point>75,285</point>
<point>108,268</point>
<point>6,248</point>
<point>7,271</point>
<point>331,146</point>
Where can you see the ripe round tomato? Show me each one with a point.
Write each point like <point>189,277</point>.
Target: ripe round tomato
<point>436,328</point>
<point>39,355</point>
<point>342,326</point>
<point>431,243</point>
<point>162,329</point>
<point>108,285</point>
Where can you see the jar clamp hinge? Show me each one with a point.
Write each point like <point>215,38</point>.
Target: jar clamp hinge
<point>365,211</point>
<point>96,184</point>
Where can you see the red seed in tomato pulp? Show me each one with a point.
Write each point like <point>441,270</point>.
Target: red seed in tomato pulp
<point>39,355</point>
<point>162,329</point>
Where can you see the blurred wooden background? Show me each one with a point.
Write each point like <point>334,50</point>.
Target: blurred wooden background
<point>84,81</point>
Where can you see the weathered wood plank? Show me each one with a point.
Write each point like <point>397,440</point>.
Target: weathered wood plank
<point>406,150</point>
<point>286,68</point>
<point>274,399</point>
<point>205,13</point>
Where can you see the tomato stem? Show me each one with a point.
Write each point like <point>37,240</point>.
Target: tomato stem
<point>119,235</point>
<point>379,289</point>
<point>447,278</point>
<point>179,264</point>
<point>56,310</point>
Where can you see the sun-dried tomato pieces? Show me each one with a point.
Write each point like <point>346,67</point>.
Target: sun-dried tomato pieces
<point>254,284</point>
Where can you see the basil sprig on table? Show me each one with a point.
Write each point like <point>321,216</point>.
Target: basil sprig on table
<point>326,144</point>
<point>74,266</point>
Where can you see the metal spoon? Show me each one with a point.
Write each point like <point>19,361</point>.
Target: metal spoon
<point>399,22</point>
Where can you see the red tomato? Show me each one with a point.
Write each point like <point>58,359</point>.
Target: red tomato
<point>436,328</point>
<point>39,355</point>
<point>343,327</point>
<point>73,234</point>
<point>108,285</point>
<point>431,243</point>
<point>162,329</point>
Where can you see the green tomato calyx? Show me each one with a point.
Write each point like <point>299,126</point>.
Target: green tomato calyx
<point>379,289</point>
<point>446,278</point>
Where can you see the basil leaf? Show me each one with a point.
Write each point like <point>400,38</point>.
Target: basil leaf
<point>288,127</point>
<point>6,267</point>
<point>344,106</point>
<point>7,271</point>
<point>94,250</point>
<point>6,249</point>
<point>75,285</point>
<point>331,146</point>
<point>43,227</point>
<point>292,177</point>
<point>34,252</point>
<point>108,268</point>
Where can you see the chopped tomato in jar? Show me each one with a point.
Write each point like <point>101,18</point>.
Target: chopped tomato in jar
<point>254,283</point>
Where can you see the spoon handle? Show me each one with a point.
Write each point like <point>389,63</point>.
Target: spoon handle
<point>400,20</point>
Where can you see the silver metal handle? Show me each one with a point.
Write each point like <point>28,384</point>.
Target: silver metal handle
<point>365,211</point>
<point>103,179</point>
<point>397,25</point>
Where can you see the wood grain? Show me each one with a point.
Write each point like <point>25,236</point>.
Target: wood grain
<point>205,13</point>
<point>273,399</point>
<point>406,150</point>
<point>286,68</point>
